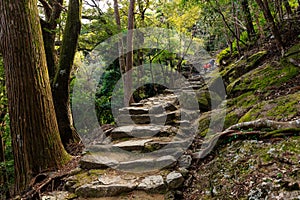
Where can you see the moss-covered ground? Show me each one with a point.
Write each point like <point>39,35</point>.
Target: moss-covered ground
<point>257,86</point>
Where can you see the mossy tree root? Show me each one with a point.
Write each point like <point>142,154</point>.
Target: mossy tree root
<point>251,128</point>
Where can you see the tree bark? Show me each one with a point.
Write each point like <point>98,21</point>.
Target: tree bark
<point>248,19</point>
<point>36,142</point>
<point>263,4</point>
<point>49,25</point>
<point>128,98</point>
<point>61,83</point>
<point>120,44</point>
<point>288,8</point>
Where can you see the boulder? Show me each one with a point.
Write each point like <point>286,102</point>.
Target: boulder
<point>174,180</point>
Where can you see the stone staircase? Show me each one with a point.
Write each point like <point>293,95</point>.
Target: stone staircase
<point>146,152</point>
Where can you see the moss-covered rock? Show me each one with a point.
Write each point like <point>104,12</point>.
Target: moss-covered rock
<point>282,108</point>
<point>241,67</point>
<point>207,100</point>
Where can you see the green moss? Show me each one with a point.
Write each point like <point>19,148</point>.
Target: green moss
<point>262,79</point>
<point>293,52</point>
<point>96,172</point>
<point>224,54</point>
<point>231,119</point>
<point>252,114</point>
<point>285,107</point>
<point>204,122</point>
<point>245,100</point>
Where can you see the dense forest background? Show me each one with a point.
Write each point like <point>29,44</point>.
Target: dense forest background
<point>43,44</point>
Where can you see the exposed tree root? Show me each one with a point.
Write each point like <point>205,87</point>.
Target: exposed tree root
<point>278,129</point>
<point>41,182</point>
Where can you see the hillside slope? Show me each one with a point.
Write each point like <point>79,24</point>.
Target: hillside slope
<point>263,164</point>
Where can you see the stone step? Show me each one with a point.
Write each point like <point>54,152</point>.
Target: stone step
<point>166,118</point>
<point>137,104</point>
<point>133,144</point>
<point>115,183</point>
<point>155,109</point>
<point>190,87</point>
<point>117,158</point>
<point>141,131</point>
<point>151,144</point>
<point>196,78</point>
<point>133,111</point>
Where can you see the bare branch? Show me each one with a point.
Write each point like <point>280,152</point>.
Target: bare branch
<point>47,8</point>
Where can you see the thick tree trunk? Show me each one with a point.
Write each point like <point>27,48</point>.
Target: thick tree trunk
<point>61,83</point>
<point>35,136</point>
<point>128,98</point>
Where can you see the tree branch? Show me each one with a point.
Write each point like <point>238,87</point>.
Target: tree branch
<point>47,8</point>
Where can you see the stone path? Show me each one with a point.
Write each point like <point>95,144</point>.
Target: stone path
<point>145,154</point>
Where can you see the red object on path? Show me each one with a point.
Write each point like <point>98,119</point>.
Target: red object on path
<point>207,66</point>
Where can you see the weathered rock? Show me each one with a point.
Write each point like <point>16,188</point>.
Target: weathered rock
<point>196,78</point>
<point>174,180</point>
<point>165,162</point>
<point>147,164</point>
<point>165,118</point>
<point>58,195</point>
<point>141,131</point>
<point>133,119</point>
<point>147,131</point>
<point>134,111</point>
<point>97,189</point>
<point>137,104</point>
<point>90,161</point>
<point>133,145</point>
<point>152,184</point>
<point>185,161</point>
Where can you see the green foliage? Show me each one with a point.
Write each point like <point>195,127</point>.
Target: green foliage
<point>7,167</point>
<point>104,94</point>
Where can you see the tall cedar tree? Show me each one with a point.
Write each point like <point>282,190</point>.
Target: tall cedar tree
<point>61,82</point>
<point>36,141</point>
<point>59,70</point>
<point>128,98</point>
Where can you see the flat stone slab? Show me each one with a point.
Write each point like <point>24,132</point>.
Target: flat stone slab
<point>159,119</point>
<point>97,189</point>
<point>152,183</point>
<point>116,158</point>
<point>147,164</point>
<point>124,119</point>
<point>196,78</point>
<point>133,145</point>
<point>140,131</point>
<point>134,110</point>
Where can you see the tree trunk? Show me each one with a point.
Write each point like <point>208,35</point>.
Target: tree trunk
<point>248,19</point>
<point>35,136</point>
<point>49,25</point>
<point>120,44</point>
<point>263,4</point>
<point>236,27</point>
<point>288,8</point>
<point>61,83</point>
<point>128,98</point>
